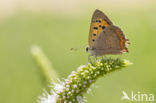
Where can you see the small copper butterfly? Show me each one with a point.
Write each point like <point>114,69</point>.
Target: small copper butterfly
<point>104,37</point>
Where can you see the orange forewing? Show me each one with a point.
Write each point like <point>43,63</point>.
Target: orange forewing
<point>95,29</point>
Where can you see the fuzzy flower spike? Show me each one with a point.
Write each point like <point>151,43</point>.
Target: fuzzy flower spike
<point>72,89</point>
<point>78,82</point>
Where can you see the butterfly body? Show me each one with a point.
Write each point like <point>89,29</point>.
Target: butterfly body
<point>104,37</point>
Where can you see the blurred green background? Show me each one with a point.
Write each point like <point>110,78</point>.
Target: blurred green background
<point>58,25</point>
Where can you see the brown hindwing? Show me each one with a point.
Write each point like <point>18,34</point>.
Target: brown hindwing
<point>110,41</point>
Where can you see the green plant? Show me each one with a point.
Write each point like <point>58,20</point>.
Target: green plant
<point>72,89</point>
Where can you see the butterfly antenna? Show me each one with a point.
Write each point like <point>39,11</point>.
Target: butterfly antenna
<point>81,45</point>
<point>75,49</point>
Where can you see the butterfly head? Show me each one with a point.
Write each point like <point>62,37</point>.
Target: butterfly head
<point>90,50</point>
<point>87,49</point>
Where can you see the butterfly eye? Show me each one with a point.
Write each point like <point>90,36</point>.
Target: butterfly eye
<point>96,28</point>
<point>94,34</point>
<point>87,49</point>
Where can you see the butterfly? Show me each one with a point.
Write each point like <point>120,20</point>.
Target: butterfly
<point>104,37</point>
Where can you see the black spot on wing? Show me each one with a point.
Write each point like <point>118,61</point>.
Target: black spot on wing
<point>93,40</point>
<point>94,34</point>
<point>96,28</point>
<point>103,27</point>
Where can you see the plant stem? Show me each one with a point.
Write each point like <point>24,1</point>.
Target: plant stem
<point>46,68</point>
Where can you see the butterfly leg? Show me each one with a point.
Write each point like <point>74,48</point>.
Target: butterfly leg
<point>89,58</point>
<point>92,59</point>
<point>103,58</point>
